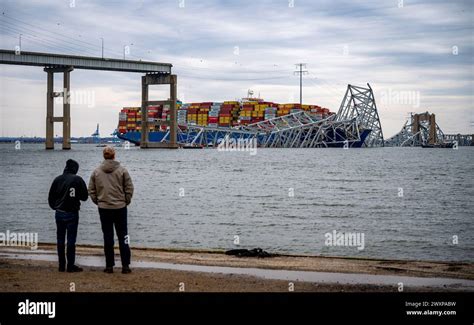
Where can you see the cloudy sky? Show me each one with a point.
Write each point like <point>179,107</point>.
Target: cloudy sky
<point>416,55</point>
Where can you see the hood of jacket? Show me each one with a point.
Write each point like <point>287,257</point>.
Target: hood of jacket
<point>109,165</point>
<point>71,167</point>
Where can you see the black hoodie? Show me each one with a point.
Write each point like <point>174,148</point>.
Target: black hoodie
<point>68,189</point>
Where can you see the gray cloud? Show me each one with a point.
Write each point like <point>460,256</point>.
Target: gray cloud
<point>394,49</point>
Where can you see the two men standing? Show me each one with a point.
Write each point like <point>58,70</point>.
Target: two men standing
<point>111,189</point>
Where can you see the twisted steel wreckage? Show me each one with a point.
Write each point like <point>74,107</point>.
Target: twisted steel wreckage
<point>357,124</point>
<point>422,130</point>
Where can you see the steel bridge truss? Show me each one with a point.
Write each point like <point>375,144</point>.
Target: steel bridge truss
<point>461,139</point>
<point>296,130</point>
<point>300,130</point>
<point>407,138</point>
<point>357,113</point>
<point>359,102</point>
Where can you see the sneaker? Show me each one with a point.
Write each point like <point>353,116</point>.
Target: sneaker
<point>62,269</point>
<point>109,269</point>
<point>126,270</point>
<point>74,268</point>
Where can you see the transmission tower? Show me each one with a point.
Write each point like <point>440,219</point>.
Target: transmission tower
<point>301,72</point>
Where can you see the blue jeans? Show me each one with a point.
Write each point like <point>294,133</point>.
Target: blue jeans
<point>66,223</point>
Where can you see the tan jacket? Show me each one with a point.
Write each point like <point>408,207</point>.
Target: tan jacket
<point>110,186</point>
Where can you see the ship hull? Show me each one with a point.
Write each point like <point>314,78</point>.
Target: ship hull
<point>157,136</point>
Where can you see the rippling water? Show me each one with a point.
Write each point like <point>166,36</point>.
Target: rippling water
<point>229,194</point>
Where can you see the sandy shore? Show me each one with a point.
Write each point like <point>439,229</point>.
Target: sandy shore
<point>36,275</point>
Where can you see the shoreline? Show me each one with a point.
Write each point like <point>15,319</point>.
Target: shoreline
<point>222,251</point>
<point>162,269</point>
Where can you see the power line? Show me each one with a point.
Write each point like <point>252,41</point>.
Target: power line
<point>79,45</point>
<point>46,43</point>
<point>74,48</point>
<point>232,79</point>
<point>242,70</point>
<point>40,35</point>
<point>56,34</point>
<point>325,86</point>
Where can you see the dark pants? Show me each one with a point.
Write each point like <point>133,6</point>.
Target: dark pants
<point>118,218</point>
<point>66,225</point>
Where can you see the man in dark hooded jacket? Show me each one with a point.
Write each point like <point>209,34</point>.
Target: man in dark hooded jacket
<point>65,195</point>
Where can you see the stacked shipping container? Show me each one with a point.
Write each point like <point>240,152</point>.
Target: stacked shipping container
<point>212,114</point>
<point>229,114</point>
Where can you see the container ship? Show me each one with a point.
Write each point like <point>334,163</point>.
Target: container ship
<point>219,115</point>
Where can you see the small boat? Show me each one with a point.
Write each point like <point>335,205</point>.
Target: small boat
<point>192,147</point>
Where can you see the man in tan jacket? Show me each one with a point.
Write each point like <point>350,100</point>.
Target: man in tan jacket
<point>111,188</point>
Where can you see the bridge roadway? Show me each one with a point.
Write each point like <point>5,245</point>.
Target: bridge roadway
<point>154,73</point>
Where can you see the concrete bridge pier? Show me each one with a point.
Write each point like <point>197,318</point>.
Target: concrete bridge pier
<point>66,118</point>
<point>159,79</point>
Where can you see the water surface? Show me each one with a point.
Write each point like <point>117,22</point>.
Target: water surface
<point>228,194</point>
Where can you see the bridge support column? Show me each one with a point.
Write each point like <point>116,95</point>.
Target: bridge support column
<point>66,118</point>
<point>173,113</point>
<point>67,111</point>
<point>416,129</point>
<point>433,139</point>
<point>159,79</point>
<point>144,110</point>
<point>50,111</point>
